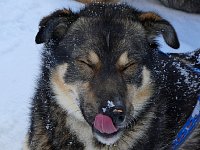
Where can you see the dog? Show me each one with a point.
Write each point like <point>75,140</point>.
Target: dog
<point>105,84</point>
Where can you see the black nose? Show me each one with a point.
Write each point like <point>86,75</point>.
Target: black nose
<point>117,113</point>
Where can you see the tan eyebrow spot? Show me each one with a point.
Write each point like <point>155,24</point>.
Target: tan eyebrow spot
<point>123,59</point>
<point>93,57</point>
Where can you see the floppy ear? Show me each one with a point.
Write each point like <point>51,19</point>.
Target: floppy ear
<point>155,25</point>
<point>54,26</point>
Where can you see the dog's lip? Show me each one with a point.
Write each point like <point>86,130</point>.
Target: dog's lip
<point>106,135</point>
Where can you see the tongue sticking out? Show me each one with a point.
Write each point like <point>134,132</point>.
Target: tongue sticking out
<point>104,124</point>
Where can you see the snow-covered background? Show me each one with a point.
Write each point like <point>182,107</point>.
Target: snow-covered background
<point>20,56</point>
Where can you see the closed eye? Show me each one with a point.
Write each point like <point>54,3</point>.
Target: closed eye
<point>84,62</point>
<point>128,65</point>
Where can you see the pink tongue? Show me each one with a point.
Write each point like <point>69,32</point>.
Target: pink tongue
<point>104,124</point>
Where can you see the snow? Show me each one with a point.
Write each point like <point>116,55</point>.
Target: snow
<point>110,104</point>
<point>185,75</point>
<point>20,56</point>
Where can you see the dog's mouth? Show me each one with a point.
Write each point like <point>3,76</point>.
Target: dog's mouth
<point>105,130</point>
<point>104,124</point>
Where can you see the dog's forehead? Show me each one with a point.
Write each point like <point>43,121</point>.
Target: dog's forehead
<point>102,38</point>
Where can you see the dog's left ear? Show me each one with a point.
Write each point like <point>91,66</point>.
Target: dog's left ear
<point>155,25</point>
<point>54,26</point>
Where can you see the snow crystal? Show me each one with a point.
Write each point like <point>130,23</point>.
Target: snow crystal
<point>182,70</point>
<point>110,104</point>
<point>104,109</point>
<point>185,73</point>
<point>48,126</point>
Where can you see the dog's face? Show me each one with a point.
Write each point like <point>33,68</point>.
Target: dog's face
<point>101,72</point>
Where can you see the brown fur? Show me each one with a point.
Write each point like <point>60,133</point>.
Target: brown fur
<point>150,16</point>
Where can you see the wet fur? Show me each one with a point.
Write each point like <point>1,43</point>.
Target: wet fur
<point>70,93</point>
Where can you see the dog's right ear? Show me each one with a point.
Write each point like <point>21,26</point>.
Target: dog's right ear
<point>54,26</point>
<point>156,25</point>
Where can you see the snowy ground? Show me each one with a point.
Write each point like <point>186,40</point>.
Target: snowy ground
<point>20,56</point>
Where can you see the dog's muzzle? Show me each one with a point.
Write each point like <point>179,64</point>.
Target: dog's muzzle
<point>111,117</point>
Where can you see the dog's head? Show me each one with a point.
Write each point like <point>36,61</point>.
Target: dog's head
<point>101,63</point>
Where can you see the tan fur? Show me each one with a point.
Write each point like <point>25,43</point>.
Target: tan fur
<point>123,60</point>
<point>149,16</point>
<point>93,58</point>
<point>82,130</point>
<point>66,11</point>
<point>66,94</point>
<point>140,95</point>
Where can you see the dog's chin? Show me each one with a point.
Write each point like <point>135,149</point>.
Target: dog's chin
<point>107,139</point>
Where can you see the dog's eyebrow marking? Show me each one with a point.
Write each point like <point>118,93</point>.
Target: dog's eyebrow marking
<point>93,57</point>
<point>123,59</point>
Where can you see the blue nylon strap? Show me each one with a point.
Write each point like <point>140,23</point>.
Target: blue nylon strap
<point>196,70</point>
<point>188,127</point>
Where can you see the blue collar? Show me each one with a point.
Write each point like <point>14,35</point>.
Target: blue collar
<point>196,70</point>
<point>188,127</point>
